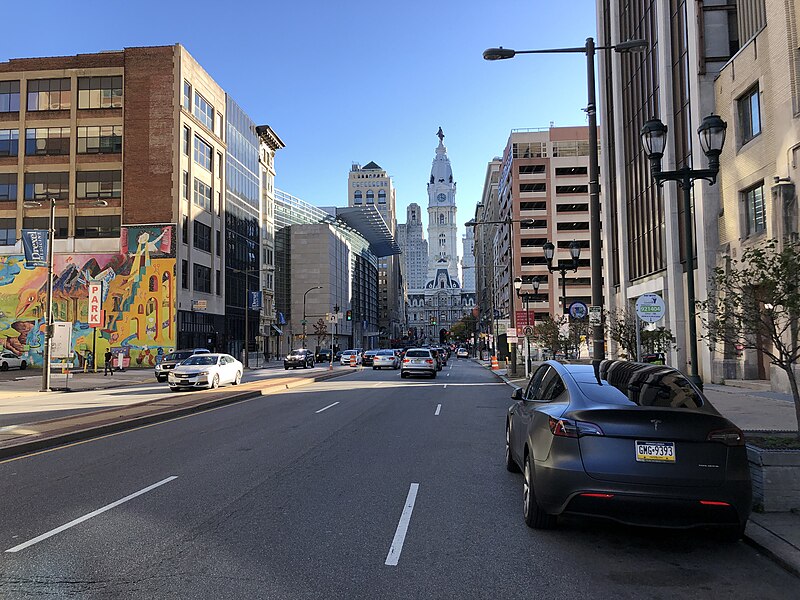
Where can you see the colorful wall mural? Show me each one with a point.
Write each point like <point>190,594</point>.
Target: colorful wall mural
<point>139,299</point>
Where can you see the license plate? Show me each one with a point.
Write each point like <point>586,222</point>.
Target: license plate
<point>416,361</point>
<point>661,452</point>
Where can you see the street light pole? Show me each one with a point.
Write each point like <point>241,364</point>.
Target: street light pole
<point>48,332</point>
<point>317,287</point>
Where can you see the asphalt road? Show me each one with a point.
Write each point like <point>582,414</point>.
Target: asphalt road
<point>307,494</point>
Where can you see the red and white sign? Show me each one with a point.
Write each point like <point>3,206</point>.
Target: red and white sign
<point>95,304</point>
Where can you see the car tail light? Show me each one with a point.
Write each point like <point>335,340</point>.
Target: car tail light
<point>732,436</point>
<point>570,428</point>
<point>595,495</point>
<point>405,360</point>
<point>429,361</point>
<point>713,503</point>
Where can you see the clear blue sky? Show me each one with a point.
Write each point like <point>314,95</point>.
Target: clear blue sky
<point>344,81</point>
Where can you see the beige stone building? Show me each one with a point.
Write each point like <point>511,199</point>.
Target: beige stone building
<point>758,95</point>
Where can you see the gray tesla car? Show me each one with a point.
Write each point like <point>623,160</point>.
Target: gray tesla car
<point>632,442</point>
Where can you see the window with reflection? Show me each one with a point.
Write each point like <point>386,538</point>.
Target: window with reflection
<point>100,92</point>
<point>9,96</point>
<point>8,232</point>
<point>204,111</point>
<point>202,195</point>
<point>202,153</point>
<point>8,187</point>
<point>100,139</point>
<point>370,197</point>
<point>49,94</point>
<point>357,197</point>
<point>47,141</point>
<point>9,142</point>
<point>382,197</point>
<point>61,225</point>
<point>99,184</point>
<point>103,226</point>
<point>41,186</point>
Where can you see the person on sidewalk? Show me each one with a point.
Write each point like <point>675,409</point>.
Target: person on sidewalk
<point>109,363</point>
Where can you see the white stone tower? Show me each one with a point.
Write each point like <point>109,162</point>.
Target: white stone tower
<point>442,230</point>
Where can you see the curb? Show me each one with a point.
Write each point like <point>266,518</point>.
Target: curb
<point>785,564</point>
<point>44,443</point>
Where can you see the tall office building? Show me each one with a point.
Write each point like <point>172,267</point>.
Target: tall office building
<point>371,187</point>
<point>136,148</point>
<point>468,260</point>
<point>411,240</point>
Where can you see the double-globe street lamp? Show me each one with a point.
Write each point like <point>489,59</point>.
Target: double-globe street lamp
<point>712,140</point>
<point>525,297</point>
<point>563,266</point>
<point>594,170</point>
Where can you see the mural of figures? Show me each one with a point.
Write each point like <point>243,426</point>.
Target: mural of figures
<point>139,298</point>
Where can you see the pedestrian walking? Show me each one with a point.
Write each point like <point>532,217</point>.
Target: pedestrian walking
<point>109,363</point>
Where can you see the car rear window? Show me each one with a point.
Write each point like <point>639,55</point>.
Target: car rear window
<point>418,354</point>
<point>178,355</point>
<point>627,383</point>
<point>386,353</point>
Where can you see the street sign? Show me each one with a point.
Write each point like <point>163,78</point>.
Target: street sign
<point>595,317</point>
<point>527,330</point>
<point>503,325</point>
<point>578,310</point>
<point>199,304</point>
<point>511,333</point>
<point>332,318</point>
<point>650,308</point>
<point>254,300</point>
<point>95,311</point>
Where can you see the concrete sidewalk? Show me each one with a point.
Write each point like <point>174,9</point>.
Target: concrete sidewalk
<point>776,535</point>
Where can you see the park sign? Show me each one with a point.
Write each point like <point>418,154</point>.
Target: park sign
<point>95,311</point>
<point>650,308</point>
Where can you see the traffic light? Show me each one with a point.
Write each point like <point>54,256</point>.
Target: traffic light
<point>349,316</point>
<point>433,320</point>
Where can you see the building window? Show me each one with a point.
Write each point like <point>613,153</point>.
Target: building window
<point>202,195</point>
<point>219,283</point>
<point>8,232</point>
<point>187,95</point>
<point>532,187</point>
<point>570,171</point>
<point>187,136</point>
<point>100,139</point>
<point>357,197</point>
<point>185,229</point>
<point>185,274</point>
<point>533,205</point>
<point>61,225</point>
<point>202,153</point>
<point>8,187</point>
<point>40,186</point>
<point>99,184</point>
<point>382,197</point>
<point>755,210</point>
<point>104,226</point>
<point>49,94</point>
<point>204,111</point>
<point>185,185</point>
<point>219,244</point>
<point>531,169</point>
<point>202,279</point>
<point>749,115</point>
<point>572,189</point>
<point>202,237</point>
<point>9,142</point>
<point>441,219</point>
<point>47,141</point>
<point>370,197</point>
<point>442,240</point>
<point>584,226</point>
<point>219,164</point>
<point>582,207</point>
<point>9,96</point>
<point>100,92</point>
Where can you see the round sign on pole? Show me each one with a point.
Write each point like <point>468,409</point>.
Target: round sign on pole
<point>650,308</point>
<point>578,310</point>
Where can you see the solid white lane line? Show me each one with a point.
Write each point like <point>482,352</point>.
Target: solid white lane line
<point>327,407</point>
<point>402,527</point>
<point>438,408</point>
<point>79,520</point>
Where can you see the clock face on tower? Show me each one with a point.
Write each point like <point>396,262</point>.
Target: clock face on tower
<point>441,197</point>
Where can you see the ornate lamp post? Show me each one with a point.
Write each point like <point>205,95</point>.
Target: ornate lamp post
<point>712,140</point>
<point>562,266</point>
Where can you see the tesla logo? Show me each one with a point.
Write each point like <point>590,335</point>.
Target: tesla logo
<point>655,423</point>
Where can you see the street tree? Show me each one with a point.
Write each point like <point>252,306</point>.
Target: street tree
<point>321,330</point>
<point>755,304</point>
<point>463,329</point>
<point>621,327</point>
<point>547,333</point>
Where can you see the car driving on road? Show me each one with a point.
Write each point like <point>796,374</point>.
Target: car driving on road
<point>206,370</point>
<point>367,357</point>
<point>386,359</point>
<point>418,361</point>
<point>345,359</point>
<point>462,353</point>
<point>172,360</point>
<point>631,442</point>
<point>299,358</point>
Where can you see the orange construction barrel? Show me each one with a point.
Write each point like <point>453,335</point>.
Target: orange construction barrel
<point>495,366</point>
<point>353,360</point>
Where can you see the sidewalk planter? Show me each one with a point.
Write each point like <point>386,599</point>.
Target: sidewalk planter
<point>776,479</point>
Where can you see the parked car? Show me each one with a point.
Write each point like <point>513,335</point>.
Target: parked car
<point>418,361</point>
<point>206,370</point>
<point>386,359</point>
<point>9,360</point>
<point>345,360</point>
<point>323,355</point>
<point>299,358</point>
<point>367,356</point>
<point>631,442</point>
<point>462,353</point>
<point>172,360</point>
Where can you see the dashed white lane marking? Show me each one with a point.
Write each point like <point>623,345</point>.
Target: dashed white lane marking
<point>326,408</point>
<point>438,408</point>
<point>448,374</point>
<point>79,520</point>
<point>402,527</point>
<point>445,386</point>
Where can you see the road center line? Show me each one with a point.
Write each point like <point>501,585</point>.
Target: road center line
<point>402,527</point>
<point>438,408</point>
<point>326,408</point>
<point>79,520</point>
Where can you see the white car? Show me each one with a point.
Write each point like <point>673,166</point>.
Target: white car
<point>9,360</point>
<point>385,358</point>
<point>206,370</point>
<point>347,354</point>
<point>462,353</point>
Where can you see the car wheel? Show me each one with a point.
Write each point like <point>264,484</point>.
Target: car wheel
<point>4,367</point>
<point>286,368</point>
<point>238,379</point>
<point>403,374</point>
<point>23,365</point>
<point>433,374</point>
<point>374,368</point>
<point>215,382</point>
<point>511,466</point>
<point>535,517</point>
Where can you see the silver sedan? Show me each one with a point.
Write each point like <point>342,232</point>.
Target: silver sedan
<point>385,358</point>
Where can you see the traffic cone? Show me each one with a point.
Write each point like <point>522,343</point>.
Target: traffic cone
<point>495,365</point>
<point>353,361</point>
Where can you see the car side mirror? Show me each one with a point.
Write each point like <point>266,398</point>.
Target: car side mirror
<point>517,395</point>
